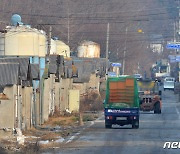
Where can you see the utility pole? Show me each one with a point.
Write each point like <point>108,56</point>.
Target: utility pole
<point>107,49</point>
<point>49,41</point>
<point>124,56</point>
<point>68,24</point>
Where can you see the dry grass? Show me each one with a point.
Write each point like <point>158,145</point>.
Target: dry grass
<point>91,102</point>
<point>45,134</point>
<point>62,121</point>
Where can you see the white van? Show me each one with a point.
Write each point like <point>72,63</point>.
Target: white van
<point>169,83</point>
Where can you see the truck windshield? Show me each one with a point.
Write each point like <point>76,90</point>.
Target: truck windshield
<point>147,86</point>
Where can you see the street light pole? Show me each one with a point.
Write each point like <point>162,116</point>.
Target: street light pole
<point>125,48</point>
<point>107,49</point>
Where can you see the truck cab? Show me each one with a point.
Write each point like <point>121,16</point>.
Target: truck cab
<point>150,96</point>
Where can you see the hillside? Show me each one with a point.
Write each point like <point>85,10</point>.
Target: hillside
<point>87,20</point>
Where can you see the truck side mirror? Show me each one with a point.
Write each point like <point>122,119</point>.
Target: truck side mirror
<point>160,92</point>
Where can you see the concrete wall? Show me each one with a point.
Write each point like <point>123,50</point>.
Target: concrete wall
<point>81,87</point>
<point>66,85</point>
<point>57,96</point>
<point>47,99</point>
<point>93,83</point>
<point>26,107</point>
<point>74,100</point>
<point>8,111</point>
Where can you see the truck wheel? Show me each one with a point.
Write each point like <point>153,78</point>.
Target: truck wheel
<point>108,126</point>
<point>157,109</point>
<point>135,124</point>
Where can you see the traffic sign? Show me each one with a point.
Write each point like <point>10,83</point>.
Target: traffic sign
<point>178,58</point>
<point>174,58</point>
<point>173,46</point>
<point>112,74</point>
<point>116,64</point>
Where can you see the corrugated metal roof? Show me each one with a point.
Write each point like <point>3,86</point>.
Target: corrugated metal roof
<point>86,66</point>
<point>68,63</point>
<point>23,63</point>
<point>52,68</point>
<point>2,88</point>
<point>54,59</point>
<point>9,74</point>
<point>69,73</point>
<point>35,71</point>
<point>56,65</point>
<point>65,72</point>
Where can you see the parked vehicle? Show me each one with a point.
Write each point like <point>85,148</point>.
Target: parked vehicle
<point>160,70</point>
<point>150,96</point>
<point>138,76</point>
<point>121,105</point>
<point>169,83</point>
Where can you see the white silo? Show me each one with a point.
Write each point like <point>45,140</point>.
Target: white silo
<point>25,41</point>
<point>53,47</point>
<point>88,49</point>
<point>62,48</point>
<point>2,44</point>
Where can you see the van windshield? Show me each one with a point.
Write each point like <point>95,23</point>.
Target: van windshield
<point>171,80</point>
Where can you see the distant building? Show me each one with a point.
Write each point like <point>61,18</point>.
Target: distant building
<point>156,44</point>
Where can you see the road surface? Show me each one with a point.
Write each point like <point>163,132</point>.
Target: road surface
<point>154,131</point>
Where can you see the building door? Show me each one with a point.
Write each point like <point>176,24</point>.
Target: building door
<point>74,100</point>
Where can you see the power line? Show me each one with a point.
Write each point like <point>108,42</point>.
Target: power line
<point>94,13</point>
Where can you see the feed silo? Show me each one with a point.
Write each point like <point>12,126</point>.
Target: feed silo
<point>2,44</point>
<point>88,49</point>
<point>25,41</point>
<point>53,47</point>
<point>62,48</point>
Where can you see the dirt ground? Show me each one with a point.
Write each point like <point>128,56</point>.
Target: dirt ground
<point>46,136</point>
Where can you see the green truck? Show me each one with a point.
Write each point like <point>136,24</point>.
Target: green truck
<point>121,105</point>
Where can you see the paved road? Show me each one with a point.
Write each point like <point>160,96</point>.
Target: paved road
<point>148,139</point>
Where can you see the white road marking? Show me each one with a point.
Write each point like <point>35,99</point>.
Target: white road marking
<point>72,137</point>
<point>178,112</point>
<point>92,123</point>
